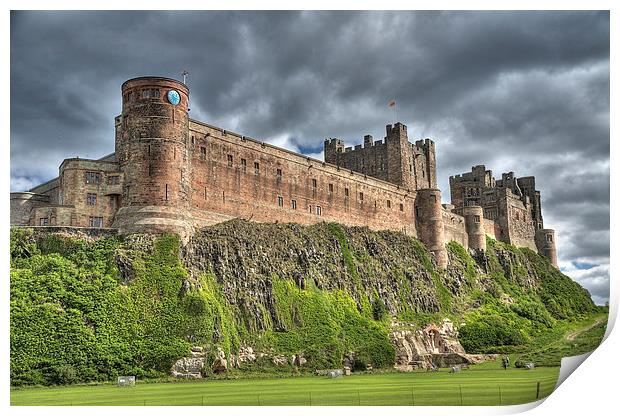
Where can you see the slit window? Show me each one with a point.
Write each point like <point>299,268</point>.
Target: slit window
<point>361,197</point>
<point>203,152</point>
<point>256,168</point>
<point>476,218</point>
<point>331,188</point>
<point>293,204</point>
<point>279,174</point>
<point>318,210</point>
<point>402,207</point>
<point>346,192</point>
<point>244,165</point>
<point>230,160</point>
<point>314,184</point>
<point>310,209</point>
<point>389,203</point>
<point>280,201</point>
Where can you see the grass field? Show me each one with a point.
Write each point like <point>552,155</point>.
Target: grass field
<point>485,384</point>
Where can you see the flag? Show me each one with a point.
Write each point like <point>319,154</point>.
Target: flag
<point>392,103</point>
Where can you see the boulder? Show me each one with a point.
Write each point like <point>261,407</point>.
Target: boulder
<point>279,360</point>
<point>220,364</point>
<point>188,367</point>
<point>298,360</point>
<point>246,354</point>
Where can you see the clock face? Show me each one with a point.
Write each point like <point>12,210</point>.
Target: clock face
<point>174,97</point>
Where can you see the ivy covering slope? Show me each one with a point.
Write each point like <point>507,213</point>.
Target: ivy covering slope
<point>89,311</point>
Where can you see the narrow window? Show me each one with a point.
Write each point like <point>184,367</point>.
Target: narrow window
<point>43,221</point>
<point>193,141</point>
<point>310,209</point>
<point>318,210</point>
<point>150,170</point>
<point>331,188</point>
<point>256,168</point>
<point>280,201</point>
<point>112,201</point>
<point>313,183</point>
<point>279,174</point>
<point>91,199</point>
<point>230,161</point>
<point>203,152</point>
<point>476,218</point>
<point>244,165</point>
<point>433,198</point>
<point>166,192</point>
<point>389,203</point>
<point>293,204</point>
<point>346,192</point>
<point>549,238</point>
<point>402,207</point>
<point>361,196</point>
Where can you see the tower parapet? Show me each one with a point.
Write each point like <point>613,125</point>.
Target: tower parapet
<point>429,223</point>
<point>152,150</point>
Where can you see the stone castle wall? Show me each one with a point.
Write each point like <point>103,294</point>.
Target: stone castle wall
<point>238,176</point>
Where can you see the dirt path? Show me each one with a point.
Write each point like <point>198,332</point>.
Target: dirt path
<point>570,336</point>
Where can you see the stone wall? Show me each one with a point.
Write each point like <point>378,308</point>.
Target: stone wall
<point>22,204</point>
<point>454,228</point>
<point>236,176</point>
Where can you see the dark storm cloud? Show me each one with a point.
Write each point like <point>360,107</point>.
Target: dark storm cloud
<point>520,91</point>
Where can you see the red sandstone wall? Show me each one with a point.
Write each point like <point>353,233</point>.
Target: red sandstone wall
<point>454,228</point>
<point>226,190</point>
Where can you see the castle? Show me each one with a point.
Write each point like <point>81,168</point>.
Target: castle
<point>172,173</point>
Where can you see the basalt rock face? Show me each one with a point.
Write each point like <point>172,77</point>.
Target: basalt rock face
<point>245,258</point>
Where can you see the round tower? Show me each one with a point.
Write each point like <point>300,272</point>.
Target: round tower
<point>545,242</point>
<point>429,223</point>
<point>152,151</point>
<point>474,226</point>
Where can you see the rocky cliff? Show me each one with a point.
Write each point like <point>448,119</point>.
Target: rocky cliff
<point>259,298</point>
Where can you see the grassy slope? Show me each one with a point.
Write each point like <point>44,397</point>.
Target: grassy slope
<point>481,385</point>
<point>69,293</point>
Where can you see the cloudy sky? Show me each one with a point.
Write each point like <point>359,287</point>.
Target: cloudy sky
<point>516,91</point>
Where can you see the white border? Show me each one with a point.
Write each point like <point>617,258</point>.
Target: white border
<point>590,390</point>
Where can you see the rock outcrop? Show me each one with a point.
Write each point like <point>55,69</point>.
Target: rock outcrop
<point>430,347</point>
<point>190,367</point>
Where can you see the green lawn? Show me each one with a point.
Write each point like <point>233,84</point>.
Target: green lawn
<point>485,384</point>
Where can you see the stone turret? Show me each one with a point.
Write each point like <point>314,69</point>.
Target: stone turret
<point>429,223</point>
<point>474,225</point>
<point>545,242</point>
<point>152,151</point>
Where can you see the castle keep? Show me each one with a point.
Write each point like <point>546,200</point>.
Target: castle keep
<point>172,173</point>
